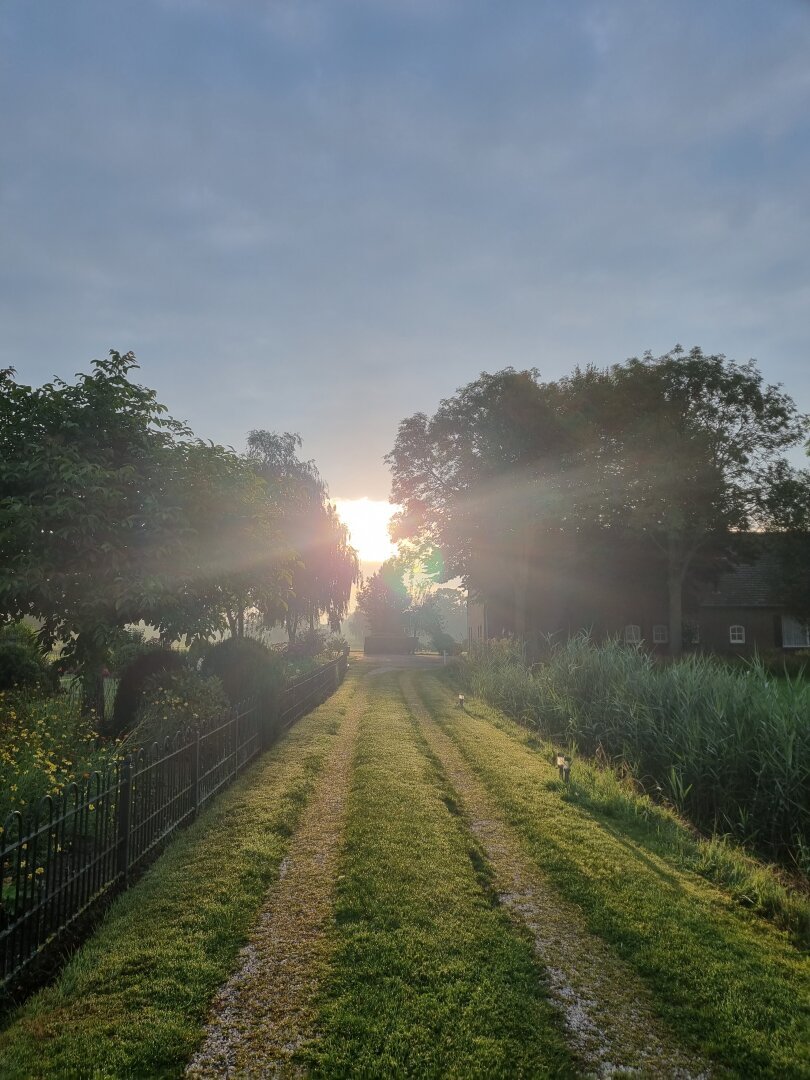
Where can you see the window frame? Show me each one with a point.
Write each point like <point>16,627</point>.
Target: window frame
<point>660,634</point>
<point>636,639</point>
<point>791,628</point>
<point>736,634</point>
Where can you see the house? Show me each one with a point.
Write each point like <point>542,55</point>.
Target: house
<point>737,612</point>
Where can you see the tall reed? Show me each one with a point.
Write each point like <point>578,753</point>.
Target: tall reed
<point>729,747</point>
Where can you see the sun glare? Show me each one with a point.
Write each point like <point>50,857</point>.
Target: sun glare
<point>367,522</point>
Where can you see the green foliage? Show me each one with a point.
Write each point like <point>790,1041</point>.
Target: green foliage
<point>129,696</point>
<point>83,517</point>
<point>512,475</point>
<point>325,566</point>
<point>384,600</point>
<point>729,748</point>
<point>177,700</point>
<point>246,669</point>
<point>126,644</point>
<point>24,667</point>
<point>45,743</point>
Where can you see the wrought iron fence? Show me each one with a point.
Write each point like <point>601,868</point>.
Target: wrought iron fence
<point>73,851</point>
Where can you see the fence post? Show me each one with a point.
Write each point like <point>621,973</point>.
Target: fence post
<point>196,778</point>
<point>124,815</point>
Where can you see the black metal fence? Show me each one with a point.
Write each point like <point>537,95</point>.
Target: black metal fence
<point>72,852</point>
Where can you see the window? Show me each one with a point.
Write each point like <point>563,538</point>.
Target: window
<point>691,633</point>
<point>794,634</point>
<point>632,634</point>
<point>660,634</point>
<point>736,635</point>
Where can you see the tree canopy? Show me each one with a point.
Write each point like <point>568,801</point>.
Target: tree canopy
<point>111,512</point>
<point>525,484</point>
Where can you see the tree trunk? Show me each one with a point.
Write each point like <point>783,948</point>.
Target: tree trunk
<point>675,574</point>
<point>93,694</point>
<point>522,576</point>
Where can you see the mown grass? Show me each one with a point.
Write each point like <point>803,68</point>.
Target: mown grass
<point>730,984</point>
<point>133,1001</point>
<point>428,977</point>
<point>728,746</point>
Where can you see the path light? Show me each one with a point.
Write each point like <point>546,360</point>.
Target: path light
<point>461,701</point>
<point>564,766</point>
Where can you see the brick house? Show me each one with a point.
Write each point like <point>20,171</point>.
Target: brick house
<point>737,613</point>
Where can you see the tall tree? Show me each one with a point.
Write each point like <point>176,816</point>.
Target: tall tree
<point>482,480</point>
<point>682,454</point>
<point>84,469</point>
<point>326,566</point>
<point>384,601</point>
<point>528,483</point>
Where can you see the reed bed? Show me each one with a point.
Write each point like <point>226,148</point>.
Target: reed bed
<point>728,747</point>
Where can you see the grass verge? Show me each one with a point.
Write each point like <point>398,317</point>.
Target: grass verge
<point>133,1001</point>
<point>428,977</point>
<point>730,984</point>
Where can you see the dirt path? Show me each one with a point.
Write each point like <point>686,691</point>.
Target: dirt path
<point>605,1008</point>
<point>264,1013</point>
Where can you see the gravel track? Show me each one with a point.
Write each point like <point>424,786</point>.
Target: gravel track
<point>264,1013</point>
<point>605,1007</point>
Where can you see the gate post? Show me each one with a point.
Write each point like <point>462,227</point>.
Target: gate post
<point>124,819</point>
<point>196,774</point>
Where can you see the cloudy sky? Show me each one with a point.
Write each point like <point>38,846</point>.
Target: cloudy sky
<point>323,216</point>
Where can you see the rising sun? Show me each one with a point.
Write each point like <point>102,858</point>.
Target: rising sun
<point>367,521</point>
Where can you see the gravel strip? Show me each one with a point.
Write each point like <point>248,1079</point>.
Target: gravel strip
<point>264,1013</point>
<point>605,1007</point>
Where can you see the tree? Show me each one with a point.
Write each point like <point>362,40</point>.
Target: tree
<point>524,487</point>
<point>683,448</point>
<point>786,509</point>
<point>384,600</point>
<point>326,566</point>
<point>83,513</point>
<point>234,557</point>
<point>481,480</point>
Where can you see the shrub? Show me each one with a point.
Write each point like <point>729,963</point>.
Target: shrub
<point>45,742</point>
<point>177,700</point>
<point>134,679</point>
<point>246,669</point>
<point>127,645</point>
<point>22,666</point>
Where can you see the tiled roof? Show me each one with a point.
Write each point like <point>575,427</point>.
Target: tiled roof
<point>751,584</point>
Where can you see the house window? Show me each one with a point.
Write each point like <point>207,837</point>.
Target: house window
<point>691,633</point>
<point>632,634</point>
<point>660,634</point>
<point>795,635</point>
<point>736,635</point>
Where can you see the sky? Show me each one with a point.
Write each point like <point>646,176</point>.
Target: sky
<point>323,216</point>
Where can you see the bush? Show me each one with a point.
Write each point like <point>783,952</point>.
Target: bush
<point>45,743</point>
<point>126,647</point>
<point>23,667</point>
<point>177,700</point>
<point>131,688</point>
<point>246,669</point>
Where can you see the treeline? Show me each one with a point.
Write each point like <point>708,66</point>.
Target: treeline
<point>112,512</point>
<point>542,494</point>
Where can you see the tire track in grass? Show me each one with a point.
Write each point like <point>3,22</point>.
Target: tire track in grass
<point>264,1012</point>
<point>427,977</point>
<point>730,984</point>
<point>606,1009</point>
